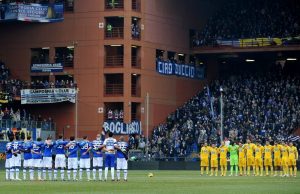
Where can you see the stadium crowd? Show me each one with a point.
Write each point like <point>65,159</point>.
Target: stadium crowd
<point>13,87</point>
<point>259,107</point>
<point>251,19</point>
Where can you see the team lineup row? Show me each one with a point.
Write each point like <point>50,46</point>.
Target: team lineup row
<point>38,157</point>
<point>243,157</point>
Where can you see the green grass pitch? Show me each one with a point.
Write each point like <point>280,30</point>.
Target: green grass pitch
<point>183,182</point>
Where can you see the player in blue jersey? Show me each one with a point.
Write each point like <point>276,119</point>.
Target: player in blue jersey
<point>72,147</point>
<point>27,164</point>
<point>60,159</point>
<point>8,161</point>
<point>47,158</point>
<point>16,158</point>
<point>37,156</point>
<point>121,160</point>
<point>85,161</point>
<point>97,145</point>
<point>110,146</point>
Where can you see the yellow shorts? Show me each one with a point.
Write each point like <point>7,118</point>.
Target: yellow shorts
<point>268,161</point>
<point>250,161</point>
<point>284,161</point>
<point>214,163</point>
<point>223,161</point>
<point>292,162</point>
<point>204,162</point>
<point>242,162</point>
<point>277,161</point>
<point>258,162</point>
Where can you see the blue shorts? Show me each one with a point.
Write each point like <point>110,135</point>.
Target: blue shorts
<point>110,160</point>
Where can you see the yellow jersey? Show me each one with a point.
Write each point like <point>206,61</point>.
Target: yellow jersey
<point>250,147</point>
<point>293,153</point>
<point>213,153</point>
<point>242,152</point>
<point>259,150</point>
<point>223,151</point>
<point>204,153</point>
<point>277,151</point>
<point>268,151</point>
<point>284,151</point>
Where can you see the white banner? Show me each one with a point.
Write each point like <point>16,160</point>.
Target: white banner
<point>45,96</point>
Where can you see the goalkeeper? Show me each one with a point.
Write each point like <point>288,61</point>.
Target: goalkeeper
<point>233,149</point>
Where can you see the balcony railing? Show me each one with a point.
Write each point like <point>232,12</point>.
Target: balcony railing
<point>69,5</point>
<point>114,61</point>
<point>114,4</point>
<point>66,62</point>
<point>136,62</point>
<point>135,90</point>
<point>136,5</point>
<point>114,89</point>
<point>29,124</point>
<point>115,32</point>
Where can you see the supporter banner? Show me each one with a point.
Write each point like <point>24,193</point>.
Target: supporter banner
<point>45,96</point>
<point>4,97</point>
<point>252,42</point>
<point>120,128</point>
<point>181,70</point>
<point>47,67</point>
<point>31,12</point>
<point>260,42</point>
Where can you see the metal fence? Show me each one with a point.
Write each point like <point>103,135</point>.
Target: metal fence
<point>29,124</point>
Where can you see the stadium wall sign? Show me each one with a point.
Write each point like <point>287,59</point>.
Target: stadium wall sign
<point>45,96</point>
<point>46,67</point>
<point>120,128</point>
<point>181,70</point>
<point>31,12</point>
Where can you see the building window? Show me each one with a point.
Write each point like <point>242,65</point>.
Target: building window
<point>136,28</point>
<point>114,4</point>
<point>65,55</point>
<point>136,5</point>
<point>114,55</point>
<point>114,84</point>
<point>114,27</point>
<point>40,55</point>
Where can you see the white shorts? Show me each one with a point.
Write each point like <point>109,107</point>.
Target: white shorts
<point>37,163</point>
<point>72,163</point>
<point>85,163</point>
<point>122,164</point>
<point>60,161</point>
<point>16,161</point>
<point>47,162</point>
<point>98,162</point>
<point>8,163</point>
<point>27,163</point>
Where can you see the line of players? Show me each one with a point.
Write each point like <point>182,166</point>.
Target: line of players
<point>38,157</point>
<point>250,155</point>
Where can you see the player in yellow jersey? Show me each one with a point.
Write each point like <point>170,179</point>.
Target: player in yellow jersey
<point>214,151</point>
<point>277,158</point>
<point>268,150</point>
<point>249,147</point>
<point>293,156</point>
<point>285,158</point>
<point>242,159</point>
<point>259,150</point>
<point>204,155</point>
<point>223,158</point>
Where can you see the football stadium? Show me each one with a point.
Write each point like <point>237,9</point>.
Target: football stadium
<point>149,96</point>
